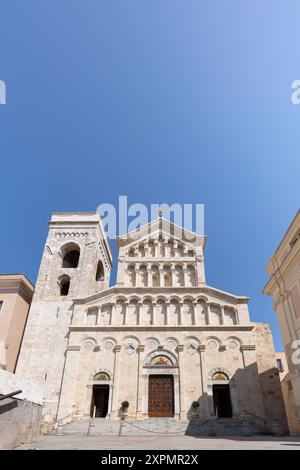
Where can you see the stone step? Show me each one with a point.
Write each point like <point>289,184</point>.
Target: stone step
<point>210,427</point>
<point>158,425</point>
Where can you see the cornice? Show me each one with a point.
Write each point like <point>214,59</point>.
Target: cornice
<point>283,270</point>
<point>17,284</point>
<point>204,328</point>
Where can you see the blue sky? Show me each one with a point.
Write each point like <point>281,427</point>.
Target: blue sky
<point>162,101</point>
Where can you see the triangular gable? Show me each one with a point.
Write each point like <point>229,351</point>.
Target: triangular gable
<point>167,229</point>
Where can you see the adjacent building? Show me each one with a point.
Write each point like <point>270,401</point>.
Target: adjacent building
<point>288,393</point>
<point>16,293</point>
<point>284,287</point>
<point>161,338</point>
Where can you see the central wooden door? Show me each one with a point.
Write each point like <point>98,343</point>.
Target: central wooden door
<point>161,396</point>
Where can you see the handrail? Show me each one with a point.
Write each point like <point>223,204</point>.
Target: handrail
<point>10,395</point>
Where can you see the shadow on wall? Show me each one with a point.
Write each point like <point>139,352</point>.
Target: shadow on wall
<point>252,400</point>
<point>20,422</point>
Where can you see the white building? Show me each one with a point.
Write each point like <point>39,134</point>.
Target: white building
<point>160,338</point>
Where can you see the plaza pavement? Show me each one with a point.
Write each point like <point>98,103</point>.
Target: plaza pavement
<point>162,442</point>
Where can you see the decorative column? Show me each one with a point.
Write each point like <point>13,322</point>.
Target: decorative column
<point>200,276</point>
<point>167,249</point>
<point>180,313</point>
<point>185,277</point>
<point>149,276</point>
<point>236,313</point>
<point>176,249</point>
<point>112,315</point>
<point>114,400</point>
<point>136,276</point>
<point>172,271</point>
<point>140,383</point>
<point>182,411</point>
<point>194,313</point>
<point>154,313</point>
<point>161,278</point>
<point>125,312</point>
<point>208,313</point>
<point>222,315</point>
<point>167,304</point>
<point>138,313</point>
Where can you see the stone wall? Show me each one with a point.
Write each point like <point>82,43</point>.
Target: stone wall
<point>20,417</point>
<point>19,422</point>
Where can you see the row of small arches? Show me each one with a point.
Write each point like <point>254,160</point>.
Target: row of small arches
<point>166,277</point>
<point>160,247</point>
<point>162,311</point>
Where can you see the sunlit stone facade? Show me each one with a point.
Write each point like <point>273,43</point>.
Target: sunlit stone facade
<point>160,338</point>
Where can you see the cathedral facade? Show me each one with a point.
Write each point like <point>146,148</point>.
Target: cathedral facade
<point>160,338</point>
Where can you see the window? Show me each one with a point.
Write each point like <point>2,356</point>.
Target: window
<point>1,304</point>
<point>64,285</point>
<point>100,271</point>
<point>71,259</point>
<point>279,365</point>
<point>70,255</point>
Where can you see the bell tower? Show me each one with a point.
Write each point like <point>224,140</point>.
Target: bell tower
<point>76,262</point>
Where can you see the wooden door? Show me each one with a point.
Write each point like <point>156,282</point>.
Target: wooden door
<point>161,396</point>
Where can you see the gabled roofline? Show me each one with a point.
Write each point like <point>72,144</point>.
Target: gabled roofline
<point>134,234</point>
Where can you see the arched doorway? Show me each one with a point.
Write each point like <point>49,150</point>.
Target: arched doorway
<point>221,395</point>
<point>161,389</point>
<point>100,396</point>
<point>161,384</point>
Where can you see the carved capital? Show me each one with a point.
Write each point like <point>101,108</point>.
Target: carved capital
<point>117,348</point>
<point>73,348</point>
<point>248,347</point>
